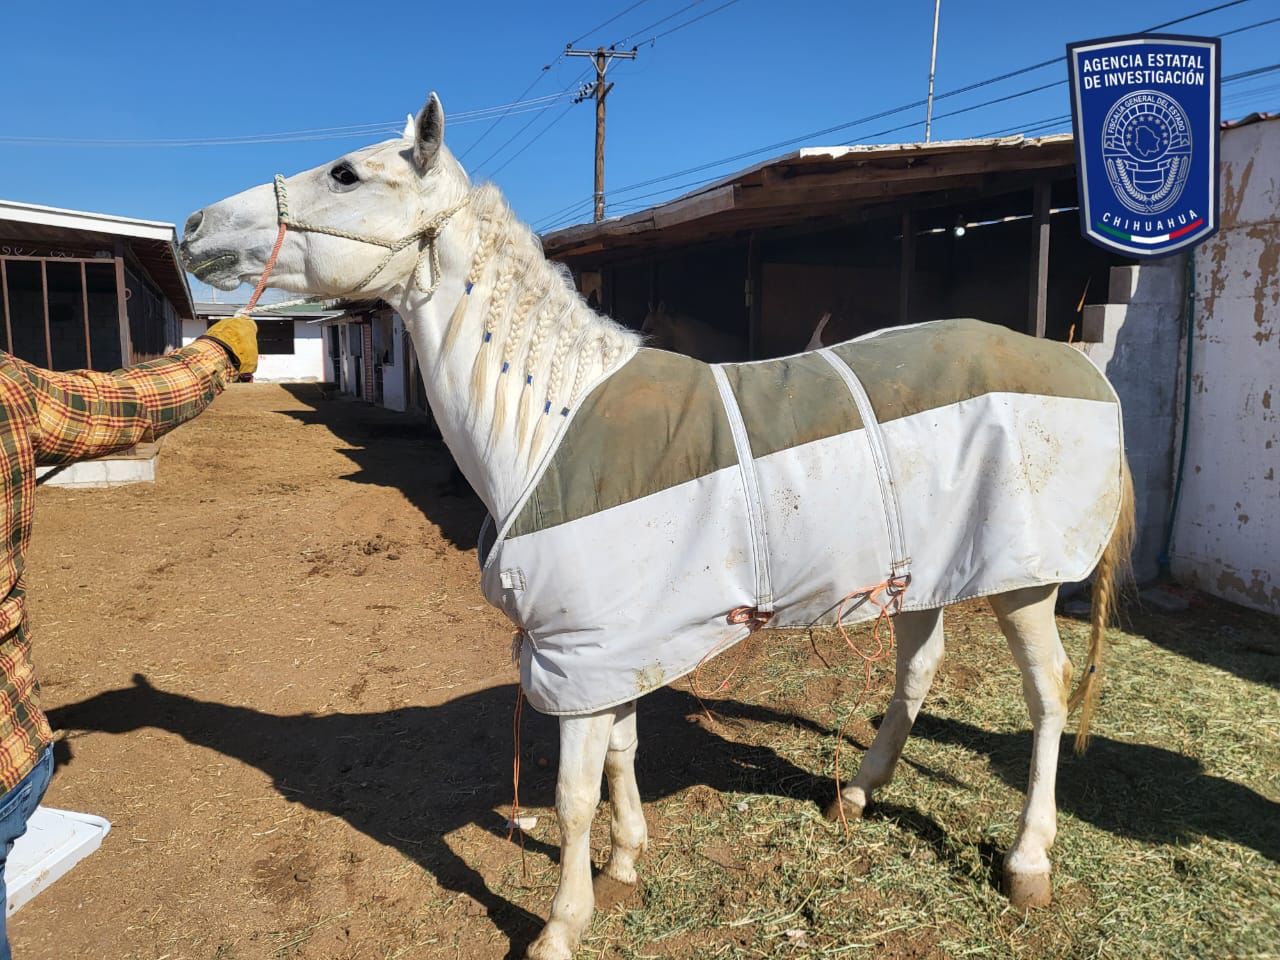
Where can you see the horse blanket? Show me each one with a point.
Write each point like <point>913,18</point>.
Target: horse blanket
<point>972,458</point>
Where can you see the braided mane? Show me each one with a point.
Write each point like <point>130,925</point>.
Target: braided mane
<point>536,342</point>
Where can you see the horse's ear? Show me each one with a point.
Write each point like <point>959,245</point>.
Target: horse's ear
<point>429,133</point>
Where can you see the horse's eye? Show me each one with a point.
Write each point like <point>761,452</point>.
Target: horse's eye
<point>344,174</point>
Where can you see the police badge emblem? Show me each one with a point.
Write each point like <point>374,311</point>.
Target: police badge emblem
<point>1145,111</point>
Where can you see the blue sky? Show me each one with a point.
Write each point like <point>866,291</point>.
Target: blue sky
<point>754,73</point>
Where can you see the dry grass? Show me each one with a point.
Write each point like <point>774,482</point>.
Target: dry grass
<point>1168,833</point>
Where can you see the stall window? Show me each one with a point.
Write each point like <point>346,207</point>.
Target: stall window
<point>275,336</point>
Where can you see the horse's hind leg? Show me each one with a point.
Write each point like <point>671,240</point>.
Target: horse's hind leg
<point>630,834</point>
<point>1026,617</point>
<point>920,644</point>
<point>583,744</point>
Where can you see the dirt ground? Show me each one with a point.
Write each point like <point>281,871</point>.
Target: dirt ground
<point>280,683</point>
<point>283,688</point>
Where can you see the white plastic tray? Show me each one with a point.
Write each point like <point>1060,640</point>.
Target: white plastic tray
<point>55,841</point>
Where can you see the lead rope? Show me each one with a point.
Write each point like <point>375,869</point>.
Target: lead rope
<point>513,825</point>
<point>266,271</point>
<point>887,596</point>
<point>894,590</point>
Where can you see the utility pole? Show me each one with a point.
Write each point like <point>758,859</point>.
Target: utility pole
<point>602,58</point>
<point>933,59</point>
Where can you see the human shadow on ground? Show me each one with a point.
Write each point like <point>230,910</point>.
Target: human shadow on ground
<point>398,450</point>
<point>409,777</point>
<point>1129,789</point>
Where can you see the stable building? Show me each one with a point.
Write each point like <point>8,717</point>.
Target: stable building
<point>878,236</point>
<point>88,290</point>
<point>291,339</point>
<point>81,290</point>
<point>371,356</point>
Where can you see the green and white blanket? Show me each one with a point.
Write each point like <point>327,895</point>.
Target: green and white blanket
<point>973,459</point>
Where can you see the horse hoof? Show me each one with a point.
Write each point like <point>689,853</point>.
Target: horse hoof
<point>622,872</point>
<point>852,811</point>
<point>548,948</point>
<point>1028,890</point>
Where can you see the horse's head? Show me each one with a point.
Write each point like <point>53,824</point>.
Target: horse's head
<point>657,325</point>
<point>386,193</point>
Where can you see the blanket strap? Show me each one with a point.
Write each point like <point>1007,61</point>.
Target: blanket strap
<point>763,608</point>
<point>900,560</point>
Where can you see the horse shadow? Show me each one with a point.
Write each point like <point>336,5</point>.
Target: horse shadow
<point>409,777</point>
<point>1132,790</point>
<point>1218,633</point>
<point>398,450</point>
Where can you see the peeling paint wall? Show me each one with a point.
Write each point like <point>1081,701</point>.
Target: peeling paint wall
<point>1134,339</point>
<point>1227,535</point>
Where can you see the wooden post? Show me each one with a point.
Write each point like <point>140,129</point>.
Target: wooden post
<point>752,293</point>
<point>84,302</point>
<point>1038,290</point>
<point>602,91</point>
<point>4,288</point>
<point>907,268</point>
<point>122,311</point>
<point>48,340</point>
<point>601,58</point>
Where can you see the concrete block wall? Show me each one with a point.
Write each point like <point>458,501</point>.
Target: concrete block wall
<point>1136,339</point>
<point>1227,539</point>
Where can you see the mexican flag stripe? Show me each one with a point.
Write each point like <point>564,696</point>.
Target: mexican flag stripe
<point>1134,238</point>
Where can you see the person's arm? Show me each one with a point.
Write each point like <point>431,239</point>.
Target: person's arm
<point>85,414</point>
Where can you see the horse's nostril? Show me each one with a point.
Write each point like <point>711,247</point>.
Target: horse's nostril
<point>193,223</point>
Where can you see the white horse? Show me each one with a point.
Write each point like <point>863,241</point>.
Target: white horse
<point>506,345</point>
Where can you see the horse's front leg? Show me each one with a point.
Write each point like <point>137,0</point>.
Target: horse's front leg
<point>630,834</point>
<point>583,744</point>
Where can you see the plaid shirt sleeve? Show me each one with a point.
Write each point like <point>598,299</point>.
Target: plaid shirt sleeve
<point>85,414</point>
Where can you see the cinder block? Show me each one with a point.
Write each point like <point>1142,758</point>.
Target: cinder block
<point>1093,322</point>
<point>1124,281</point>
<point>1159,281</point>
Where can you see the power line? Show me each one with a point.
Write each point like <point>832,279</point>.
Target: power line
<point>506,143</point>
<point>656,23</point>
<point>287,136</point>
<point>533,83</point>
<point>687,23</point>
<point>616,16</point>
<point>631,204</point>
<point>488,130</point>
<point>558,117</point>
<point>1065,118</point>
<point>791,141</point>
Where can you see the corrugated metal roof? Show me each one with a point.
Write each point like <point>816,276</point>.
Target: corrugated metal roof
<point>153,242</point>
<point>302,311</point>
<point>1255,117</point>
<point>812,184</point>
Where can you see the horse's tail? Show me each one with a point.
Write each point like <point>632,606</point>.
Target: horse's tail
<point>1112,569</point>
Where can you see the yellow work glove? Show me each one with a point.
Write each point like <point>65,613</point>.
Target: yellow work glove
<point>239,337</point>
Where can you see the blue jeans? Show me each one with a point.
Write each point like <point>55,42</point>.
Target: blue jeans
<point>16,808</point>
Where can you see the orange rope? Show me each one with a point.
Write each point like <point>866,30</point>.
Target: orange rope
<point>266,271</point>
<point>754,620</point>
<point>513,823</point>
<point>893,590</point>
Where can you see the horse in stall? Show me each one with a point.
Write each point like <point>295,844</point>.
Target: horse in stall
<point>682,333</point>
<point>933,463</point>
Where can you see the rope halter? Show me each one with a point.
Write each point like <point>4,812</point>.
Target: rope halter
<point>425,235</point>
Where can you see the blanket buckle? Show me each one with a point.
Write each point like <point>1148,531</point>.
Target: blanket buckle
<point>753,617</point>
